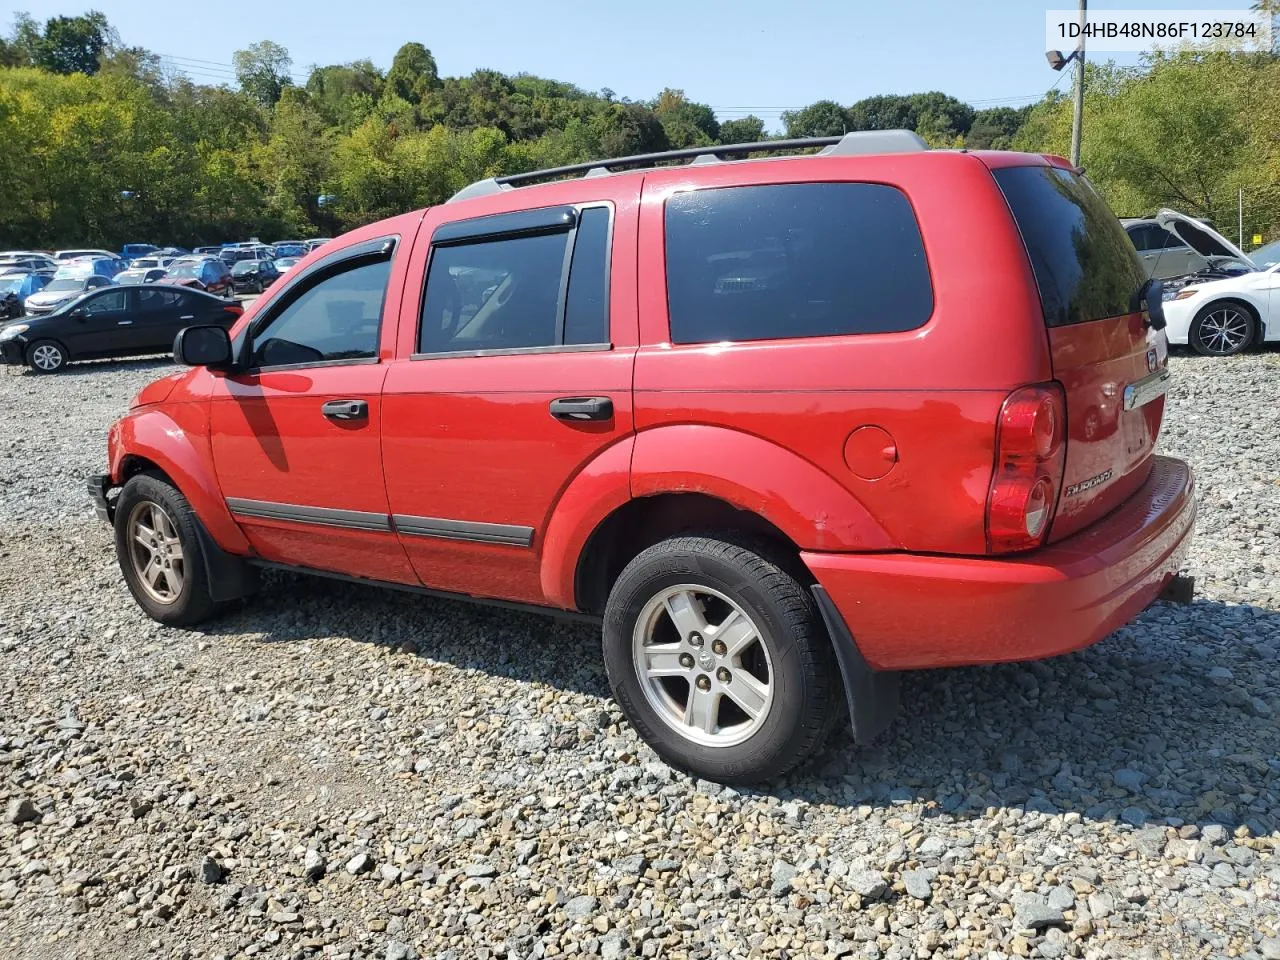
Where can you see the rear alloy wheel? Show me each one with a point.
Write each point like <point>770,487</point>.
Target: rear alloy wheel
<point>718,657</point>
<point>1222,329</point>
<point>46,356</point>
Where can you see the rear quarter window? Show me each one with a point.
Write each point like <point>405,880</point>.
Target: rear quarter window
<point>1085,265</point>
<point>794,260</point>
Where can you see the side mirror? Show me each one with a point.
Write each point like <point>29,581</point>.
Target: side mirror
<point>203,346</point>
<point>79,313</point>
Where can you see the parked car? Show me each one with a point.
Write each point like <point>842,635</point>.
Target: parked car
<point>15,288</point>
<point>27,261</point>
<point>285,264</point>
<point>77,254</point>
<point>71,280</point>
<point>1268,255</point>
<point>253,276</point>
<point>317,242</point>
<point>1173,245</point>
<point>290,248</point>
<point>209,251</point>
<point>1221,317</point>
<point>139,275</point>
<point>119,322</point>
<point>204,273</point>
<point>132,251</point>
<point>759,418</point>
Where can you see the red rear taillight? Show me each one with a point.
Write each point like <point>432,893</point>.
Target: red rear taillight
<point>234,309</point>
<point>1030,454</point>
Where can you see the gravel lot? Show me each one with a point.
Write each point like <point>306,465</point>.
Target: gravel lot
<point>343,772</point>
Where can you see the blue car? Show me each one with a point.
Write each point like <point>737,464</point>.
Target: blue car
<point>131,251</point>
<point>15,288</point>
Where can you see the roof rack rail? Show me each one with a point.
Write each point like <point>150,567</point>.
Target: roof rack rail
<point>858,142</point>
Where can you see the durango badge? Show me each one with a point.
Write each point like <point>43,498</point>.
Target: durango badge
<point>1078,488</point>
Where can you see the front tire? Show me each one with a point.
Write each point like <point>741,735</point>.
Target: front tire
<point>46,356</point>
<point>159,554</point>
<point>719,659</point>
<point>1222,329</point>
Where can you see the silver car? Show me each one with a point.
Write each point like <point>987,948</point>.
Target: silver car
<point>1172,244</point>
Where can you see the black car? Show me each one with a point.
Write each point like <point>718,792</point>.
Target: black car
<point>115,322</point>
<point>254,276</point>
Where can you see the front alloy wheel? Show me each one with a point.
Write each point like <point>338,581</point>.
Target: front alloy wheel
<point>156,552</point>
<point>1222,330</point>
<point>46,357</point>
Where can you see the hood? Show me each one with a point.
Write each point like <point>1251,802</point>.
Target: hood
<point>1204,240</point>
<point>157,391</point>
<point>45,297</point>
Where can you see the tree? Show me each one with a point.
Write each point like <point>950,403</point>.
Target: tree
<point>685,123</point>
<point>748,129</point>
<point>626,129</point>
<point>345,93</point>
<point>262,70</point>
<point>940,118</point>
<point>825,118</point>
<point>995,128</point>
<point>885,112</point>
<point>413,73</point>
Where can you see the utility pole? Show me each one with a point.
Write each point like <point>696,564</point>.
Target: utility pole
<point>1240,214</point>
<point>1077,115</point>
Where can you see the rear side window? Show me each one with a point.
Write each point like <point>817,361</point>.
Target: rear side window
<point>516,291</point>
<point>794,260</point>
<point>1085,265</point>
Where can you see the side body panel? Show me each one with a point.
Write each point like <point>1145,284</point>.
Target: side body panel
<point>932,393</point>
<point>470,441</point>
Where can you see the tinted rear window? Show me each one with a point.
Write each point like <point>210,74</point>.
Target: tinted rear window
<point>1084,262</point>
<point>794,260</point>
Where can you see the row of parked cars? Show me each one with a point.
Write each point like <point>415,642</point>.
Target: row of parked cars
<point>36,282</point>
<point>87,304</point>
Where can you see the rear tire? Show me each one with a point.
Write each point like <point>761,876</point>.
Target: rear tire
<point>719,659</point>
<point>159,553</point>
<point>46,356</point>
<point>1222,329</point>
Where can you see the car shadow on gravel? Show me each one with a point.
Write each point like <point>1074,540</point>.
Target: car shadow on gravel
<point>1168,720</point>
<point>83,368</point>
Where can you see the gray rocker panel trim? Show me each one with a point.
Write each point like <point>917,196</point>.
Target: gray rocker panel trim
<point>476,532</point>
<point>322,516</point>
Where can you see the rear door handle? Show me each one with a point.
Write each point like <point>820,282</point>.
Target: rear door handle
<point>123,323</point>
<point>582,408</point>
<point>187,316</point>
<point>346,409</point>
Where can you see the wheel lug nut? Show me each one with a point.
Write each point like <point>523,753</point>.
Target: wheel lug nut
<point>723,675</point>
<point>719,648</point>
<point>703,682</point>
<point>686,660</point>
<point>695,639</point>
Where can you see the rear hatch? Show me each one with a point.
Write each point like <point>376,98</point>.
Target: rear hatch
<point>1112,366</point>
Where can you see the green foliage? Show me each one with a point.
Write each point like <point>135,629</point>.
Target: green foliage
<point>413,73</point>
<point>995,128</point>
<point>65,44</point>
<point>749,129</point>
<point>826,118</point>
<point>685,123</point>
<point>262,70</point>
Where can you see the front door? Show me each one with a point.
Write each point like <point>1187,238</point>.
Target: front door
<point>296,437</point>
<point>102,323</point>
<point>520,377</point>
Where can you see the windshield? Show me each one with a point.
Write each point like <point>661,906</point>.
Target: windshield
<point>10,284</point>
<point>1084,264</point>
<point>131,276</point>
<point>64,284</point>
<point>1266,256</point>
<point>245,266</point>
<point>185,270</point>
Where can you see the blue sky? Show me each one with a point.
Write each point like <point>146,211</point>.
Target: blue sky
<point>758,56</point>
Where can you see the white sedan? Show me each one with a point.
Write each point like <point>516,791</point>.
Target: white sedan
<point>1220,317</point>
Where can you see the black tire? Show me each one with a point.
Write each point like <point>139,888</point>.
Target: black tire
<point>801,667</point>
<point>47,349</point>
<point>192,602</point>
<point>1222,329</point>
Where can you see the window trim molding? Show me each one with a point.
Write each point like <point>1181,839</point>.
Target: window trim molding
<point>562,298</point>
<point>517,351</point>
<point>377,250</point>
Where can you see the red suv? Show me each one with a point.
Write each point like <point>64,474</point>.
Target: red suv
<point>785,425</point>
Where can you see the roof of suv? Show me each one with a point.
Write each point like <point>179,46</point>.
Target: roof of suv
<point>857,143</point>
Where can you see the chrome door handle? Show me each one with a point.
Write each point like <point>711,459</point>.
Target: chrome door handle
<point>346,409</point>
<point>187,316</point>
<point>123,323</point>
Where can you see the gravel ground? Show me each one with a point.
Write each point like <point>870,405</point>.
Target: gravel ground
<point>341,772</point>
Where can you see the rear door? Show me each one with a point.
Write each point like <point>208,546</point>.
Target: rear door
<point>161,313</point>
<point>522,347</point>
<point>1111,364</point>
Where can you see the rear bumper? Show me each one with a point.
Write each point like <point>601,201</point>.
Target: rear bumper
<point>910,611</point>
